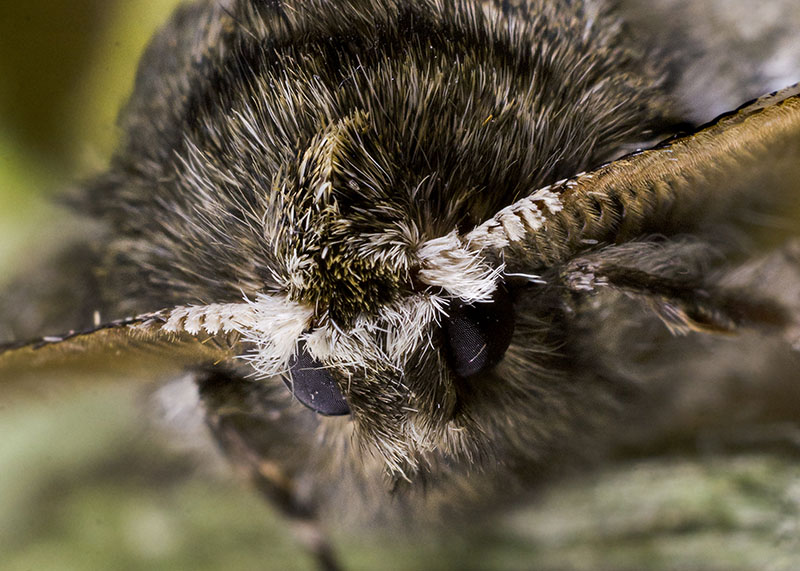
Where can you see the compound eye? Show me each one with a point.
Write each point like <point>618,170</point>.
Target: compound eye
<point>313,385</point>
<point>478,334</point>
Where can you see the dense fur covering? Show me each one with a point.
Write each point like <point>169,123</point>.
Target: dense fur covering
<point>360,128</point>
<point>311,151</point>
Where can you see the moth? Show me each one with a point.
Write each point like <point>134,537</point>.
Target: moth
<point>422,257</point>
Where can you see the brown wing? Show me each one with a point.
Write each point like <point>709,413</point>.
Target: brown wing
<point>137,347</point>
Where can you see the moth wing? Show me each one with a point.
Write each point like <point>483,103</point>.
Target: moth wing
<point>138,347</point>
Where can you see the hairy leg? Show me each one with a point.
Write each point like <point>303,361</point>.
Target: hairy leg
<point>251,424</point>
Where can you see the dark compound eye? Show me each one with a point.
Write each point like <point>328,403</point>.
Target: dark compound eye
<point>313,385</point>
<point>478,335</point>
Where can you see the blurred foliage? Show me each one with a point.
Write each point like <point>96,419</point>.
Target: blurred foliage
<point>65,70</point>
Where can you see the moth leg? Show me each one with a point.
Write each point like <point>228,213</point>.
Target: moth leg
<point>775,276</point>
<point>733,368</point>
<point>681,283</point>
<point>255,430</point>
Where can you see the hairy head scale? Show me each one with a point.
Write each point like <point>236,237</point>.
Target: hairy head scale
<point>378,202</point>
<point>327,154</point>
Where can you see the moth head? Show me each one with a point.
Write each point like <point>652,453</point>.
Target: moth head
<point>309,175</point>
<point>397,365</point>
<point>373,231</point>
<point>443,348</point>
<point>395,310</point>
<point>398,371</point>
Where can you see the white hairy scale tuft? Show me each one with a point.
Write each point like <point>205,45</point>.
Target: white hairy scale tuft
<point>272,324</point>
<point>448,263</point>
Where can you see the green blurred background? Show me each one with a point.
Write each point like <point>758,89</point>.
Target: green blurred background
<point>65,69</point>
<point>87,481</point>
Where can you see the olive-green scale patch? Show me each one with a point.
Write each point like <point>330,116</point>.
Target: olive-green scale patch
<point>327,267</point>
<point>348,285</point>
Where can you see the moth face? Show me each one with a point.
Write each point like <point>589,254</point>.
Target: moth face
<point>376,199</point>
<point>333,185</point>
<point>403,375</point>
<point>391,323</point>
<point>400,373</point>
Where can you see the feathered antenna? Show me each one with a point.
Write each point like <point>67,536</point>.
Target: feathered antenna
<point>263,331</point>
<point>647,191</point>
<point>144,344</point>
